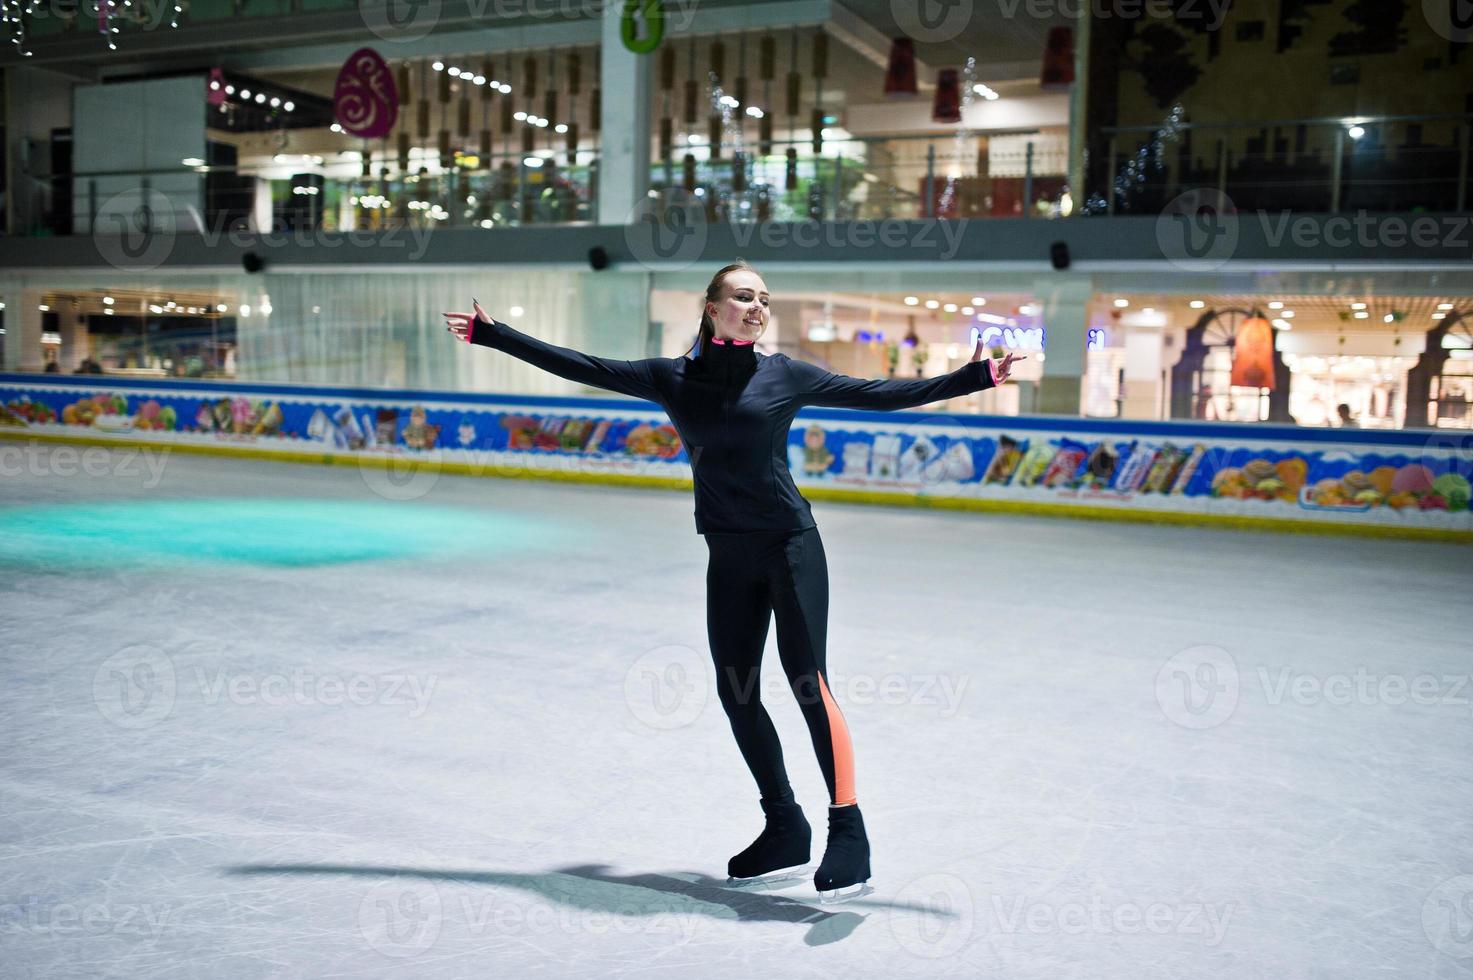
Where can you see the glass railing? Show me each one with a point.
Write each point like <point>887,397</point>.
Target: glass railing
<point>872,178</point>
<point>1376,164</point>
<point>220,200</point>
<point>852,179</point>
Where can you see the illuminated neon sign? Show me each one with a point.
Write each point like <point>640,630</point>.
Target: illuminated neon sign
<point>1013,338</point>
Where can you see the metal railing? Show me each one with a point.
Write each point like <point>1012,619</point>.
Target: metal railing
<point>869,178</point>
<point>217,200</point>
<point>1371,163</point>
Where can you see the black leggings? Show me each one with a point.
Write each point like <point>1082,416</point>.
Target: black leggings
<point>751,577</point>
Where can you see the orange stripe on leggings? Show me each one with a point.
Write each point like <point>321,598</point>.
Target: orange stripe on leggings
<point>843,748</point>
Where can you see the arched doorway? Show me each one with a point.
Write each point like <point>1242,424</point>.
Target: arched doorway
<point>1201,385</point>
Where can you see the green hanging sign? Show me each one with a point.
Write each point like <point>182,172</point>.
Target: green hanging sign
<point>653,14</point>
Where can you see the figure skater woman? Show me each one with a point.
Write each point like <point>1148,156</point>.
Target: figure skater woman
<point>732,407</point>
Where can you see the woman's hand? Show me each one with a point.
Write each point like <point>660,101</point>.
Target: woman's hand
<point>1001,370</point>
<point>459,324</point>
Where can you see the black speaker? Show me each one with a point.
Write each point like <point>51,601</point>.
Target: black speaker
<point>598,258</point>
<point>1058,254</point>
<point>252,263</point>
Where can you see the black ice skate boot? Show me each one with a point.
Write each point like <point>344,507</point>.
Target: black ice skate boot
<point>845,862</point>
<point>783,843</point>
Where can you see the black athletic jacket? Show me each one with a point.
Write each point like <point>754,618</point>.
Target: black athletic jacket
<point>732,409</point>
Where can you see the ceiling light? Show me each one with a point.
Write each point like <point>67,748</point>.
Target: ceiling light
<point>1361,315</point>
<point>515,311</point>
<point>1444,306</point>
<point>949,307</point>
<point>1357,306</point>
<point>1196,304</point>
<point>1121,304</point>
<point>931,304</point>
<point>979,301</point>
<point>1276,305</point>
<point>912,300</point>
<point>1287,314</point>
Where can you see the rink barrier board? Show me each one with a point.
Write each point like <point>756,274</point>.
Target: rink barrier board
<point>1226,522</point>
<point>1096,468</point>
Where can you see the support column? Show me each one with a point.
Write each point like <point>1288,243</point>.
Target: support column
<point>23,331</point>
<point>1144,359</point>
<point>1064,303</point>
<point>74,335</point>
<point>624,135</point>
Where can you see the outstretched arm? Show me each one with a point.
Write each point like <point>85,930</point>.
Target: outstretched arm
<point>815,386</point>
<point>635,378</point>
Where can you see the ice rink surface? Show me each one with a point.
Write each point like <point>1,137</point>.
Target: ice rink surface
<point>274,720</point>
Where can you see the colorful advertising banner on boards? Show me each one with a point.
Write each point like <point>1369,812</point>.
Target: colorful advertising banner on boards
<point>1385,479</point>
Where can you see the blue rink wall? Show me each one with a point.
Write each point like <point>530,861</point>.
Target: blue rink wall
<point>1412,483</point>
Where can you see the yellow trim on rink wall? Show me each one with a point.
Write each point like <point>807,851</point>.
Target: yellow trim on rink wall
<point>874,497</point>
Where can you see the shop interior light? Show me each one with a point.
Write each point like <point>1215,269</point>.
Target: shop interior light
<point>505,89</point>
<point>949,307</point>
<point>515,311</point>
<point>979,300</point>
<point>230,90</point>
<point>1389,318</point>
<point>1276,305</point>
<point>519,116</point>
<point>245,93</point>
<point>1287,314</point>
<point>1355,132</point>
<point>1362,315</point>
<point>912,300</point>
<point>453,71</point>
<point>1196,304</point>
<point>480,80</point>
<point>221,308</point>
<point>1444,306</point>
<point>155,308</point>
<point>44,308</point>
<point>438,66</point>
<point>1283,324</point>
<point>931,304</point>
<point>1148,310</point>
<point>968,310</point>
<point>1121,304</point>
<point>1357,306</point>
<point>533,161</point>
<point>107,301</point>
<point>754,112</point>
<point>1439,316</point>
<point>984,91</point>
<point>245,309</point>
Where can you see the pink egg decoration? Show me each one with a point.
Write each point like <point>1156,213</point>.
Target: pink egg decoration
<point>365,99</point>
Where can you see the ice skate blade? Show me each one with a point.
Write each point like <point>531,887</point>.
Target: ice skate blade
<point>772,881</point>
<point>848,893</point>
